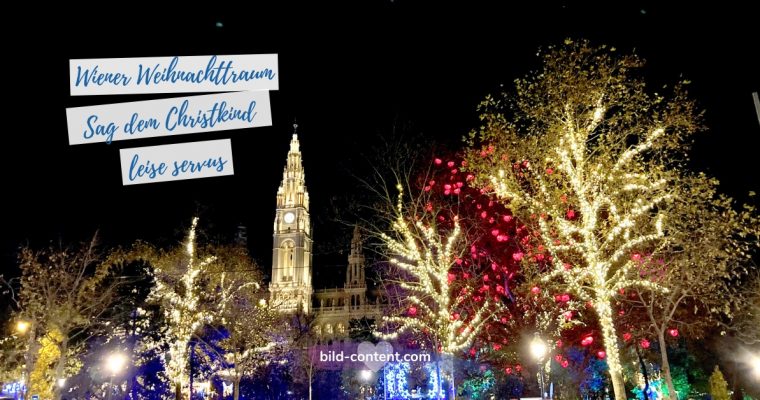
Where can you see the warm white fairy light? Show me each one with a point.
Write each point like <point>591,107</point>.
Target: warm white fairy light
<point>597,248</point>
<point>181,308</point>
<point>427,256</point>
<point>583,145</point>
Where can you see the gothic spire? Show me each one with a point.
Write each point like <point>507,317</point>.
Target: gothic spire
<point>292,191</point>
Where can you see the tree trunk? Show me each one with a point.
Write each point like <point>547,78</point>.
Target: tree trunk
<point>30,359</point>
<point>603,309</point>
<point>192,373</point>
<point>644,372</point>
<point>178,390</point>
<point>60,367</point>
<point>666,365</point>
<point>453,382</point>
<point>236,389</point>
<point>311,377</point>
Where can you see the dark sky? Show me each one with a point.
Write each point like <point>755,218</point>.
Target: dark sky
<point>348,73</point>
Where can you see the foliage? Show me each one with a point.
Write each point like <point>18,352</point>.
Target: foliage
<point>478,383</point>
<point>718,385</point>
<point>594,379</point>
<point>64,296</point>
<point>41,380</point>
<point>360,330</point>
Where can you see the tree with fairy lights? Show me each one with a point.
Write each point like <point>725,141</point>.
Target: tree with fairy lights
<point>453,261</point>
<point>241,310</point>
<point>178,290</point>
<point>701,264</point>
<point>426,256</point>
<point>591,162</point>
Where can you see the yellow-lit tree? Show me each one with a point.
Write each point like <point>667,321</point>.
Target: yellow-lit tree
<point>62,297</point>
<point>589,160</point>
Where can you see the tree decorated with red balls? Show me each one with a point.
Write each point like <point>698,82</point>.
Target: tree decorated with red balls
<point>457,259</point>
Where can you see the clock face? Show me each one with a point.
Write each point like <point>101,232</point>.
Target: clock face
<point>289,217</point>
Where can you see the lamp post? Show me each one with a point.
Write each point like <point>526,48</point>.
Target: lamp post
<point>366,376</point>
<point>23,327</point>
<point>538,350</point>
<point>114,363</point>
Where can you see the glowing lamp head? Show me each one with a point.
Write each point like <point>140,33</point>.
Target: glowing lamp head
<point>116,362</point>
<point>755,362</point>
<point>61,382</point>
<point>366,375</point>
<point>537,348</point>
<point>22,327</point>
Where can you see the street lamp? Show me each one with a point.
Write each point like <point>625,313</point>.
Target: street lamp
<point>538,350</point>
<point>366,375</point>
<point>22,326</point>
<point>114,363</point>
<point>755,363</point>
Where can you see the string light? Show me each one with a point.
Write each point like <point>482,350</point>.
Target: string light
<point>180,305</point>
<point>427,256</point>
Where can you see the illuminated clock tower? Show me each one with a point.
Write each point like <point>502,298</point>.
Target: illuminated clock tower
<point>290,289</point>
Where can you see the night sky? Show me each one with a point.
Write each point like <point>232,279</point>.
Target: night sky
<point>349,74</point>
